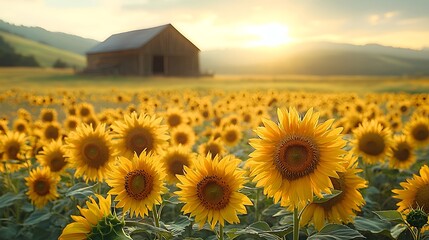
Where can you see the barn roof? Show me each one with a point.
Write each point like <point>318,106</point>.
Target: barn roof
<point>128,40</point>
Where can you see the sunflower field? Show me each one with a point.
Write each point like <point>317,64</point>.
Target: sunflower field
<point>212,164</point>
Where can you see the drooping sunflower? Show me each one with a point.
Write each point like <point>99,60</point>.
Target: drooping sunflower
<point>343,207</point>
<point>372,142</point>
<point>415,192</point>
<point>90,152</point>
<point>403,155</point>
<point>418,131</point>
<point>175,159</point>
<point>96,222</point>
<point>210,190</point>
<point>42,186</point>
<point>231,135</point>
<point>213,146</point>
<point>295,153</point>
<point>183,135</point>
<point>13,147</point>
<point>137,133</point>
<point>138,183</point>
<point>53,156</point>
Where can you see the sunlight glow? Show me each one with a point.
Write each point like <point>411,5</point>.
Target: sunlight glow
<point>268,35</point>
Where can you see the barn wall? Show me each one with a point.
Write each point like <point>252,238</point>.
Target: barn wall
<point>180,55</point>
<point>124,63</point>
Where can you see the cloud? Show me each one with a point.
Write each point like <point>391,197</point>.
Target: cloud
<point>376,19</point>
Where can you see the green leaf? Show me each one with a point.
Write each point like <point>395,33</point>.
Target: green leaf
<point>272,210</point>
<point>144,227</point>
<point>397,230</point>
<point>37,217</point>
<point>389,215</point>
<point>179,225</point>
<point>80,190</point>
<point>10,198</point>
<point>327,197</point>
<point>261,225</point>
<point>336,232</point>
<point>173,200</point>
<point>372,225</point>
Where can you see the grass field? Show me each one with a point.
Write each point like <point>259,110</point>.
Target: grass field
<point>44,54</point>
<point>45,79</point>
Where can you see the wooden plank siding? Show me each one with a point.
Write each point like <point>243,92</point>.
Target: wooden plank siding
<point>178,55</point>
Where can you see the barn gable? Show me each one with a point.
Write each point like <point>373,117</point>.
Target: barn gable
<point>159,50</point>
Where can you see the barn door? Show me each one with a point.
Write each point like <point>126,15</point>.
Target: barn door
<point>158,65</point>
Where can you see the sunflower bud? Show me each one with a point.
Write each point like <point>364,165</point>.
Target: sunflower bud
<point>417,218</point>
<point>110,227</point>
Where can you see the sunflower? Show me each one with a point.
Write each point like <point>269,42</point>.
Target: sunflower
<point>137,133</point>
<point>418,131</point>
<point>48,115</point>
<point>53,157</point>
<point>138,184</point>
<point>343,207</point>
<point>3,126</point>
<point>51,131</point>
<point>415,192</point>
<point>90,152</point>
<point>174,117</point>
<point>183,135</point>
<point>213,146</point>
<point>71,122</point>
<point>210,190</point>
<point>372,142</point>
<point>231,135</point>
<point>96,222</point>
<point>403,155</point>
<point>13,147</point>
<point>175,159</point>
<point>85,110</point>
<point>295,153</point>
<point>42,186</point>
<point>21,125</point>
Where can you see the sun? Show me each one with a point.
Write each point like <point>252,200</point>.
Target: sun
<point>268,35</point>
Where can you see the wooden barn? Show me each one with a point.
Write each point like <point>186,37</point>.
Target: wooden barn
<point>159,50</point>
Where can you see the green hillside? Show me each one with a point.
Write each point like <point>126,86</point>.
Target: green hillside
<point>44,54</point>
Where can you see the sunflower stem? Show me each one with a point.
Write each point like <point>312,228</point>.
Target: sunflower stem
<point>156,219</point>
<point>418,234</point>
<point>220,236</point>
<point>257,216</point>
<point>295,223</point>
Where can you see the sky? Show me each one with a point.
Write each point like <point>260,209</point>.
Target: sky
<point>219,24</point>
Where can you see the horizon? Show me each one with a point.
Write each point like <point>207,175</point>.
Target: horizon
<point>243,24</point>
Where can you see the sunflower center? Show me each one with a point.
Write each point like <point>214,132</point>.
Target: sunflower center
<point>52,132</point>
<point>420,132</point>
<point>181,138</point>
<point>139,140</point>
<point>13,150</point>
<point>296,157</point>
<point>57,163</point>
<point>95,154</point>
<point>372,144</point>
<point>338,184</point>
<point>402,153</point>
<point>213,192</point>
<point>20,127</point>
<point>422,198</point>
<point>48,117</point>
<point>176,164</point>
<point>174,120</point>
<point>138,184</point>
<point>72,124</point>
<point>231,136</point>
<point>41,187</point>
<point>213,149</point>
<point>84,112</point>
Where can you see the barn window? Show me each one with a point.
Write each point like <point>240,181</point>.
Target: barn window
<point>158,64</point>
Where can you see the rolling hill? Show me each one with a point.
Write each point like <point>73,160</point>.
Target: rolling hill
<point>44,54</point>
<point>58,40</point>
<point>318,58</point>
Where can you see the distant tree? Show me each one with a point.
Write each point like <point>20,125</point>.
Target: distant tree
<point>9,58</point>
<point>60,64</point>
